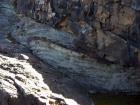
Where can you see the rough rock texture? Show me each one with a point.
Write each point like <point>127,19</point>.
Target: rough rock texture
<point>37,9</point>
<point>94,48</point>
<point>97,47</point>
<point>93,74</point>
<point>20,82</point>
<point>96,22</point>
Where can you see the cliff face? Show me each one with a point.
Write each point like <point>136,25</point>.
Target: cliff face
<point>56,48</point>
<point>24,78</point>
<point>96,39</point>
<point>109,28</point>
<point>95,43</point>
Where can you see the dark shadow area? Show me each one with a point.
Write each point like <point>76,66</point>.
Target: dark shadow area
<point>61,83</point>
<point>114,99</point>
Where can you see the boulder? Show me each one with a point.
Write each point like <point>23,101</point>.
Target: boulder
<point>21,84</point>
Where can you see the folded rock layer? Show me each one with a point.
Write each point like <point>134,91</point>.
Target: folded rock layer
<point>94,43</point>
<point>99,53</point>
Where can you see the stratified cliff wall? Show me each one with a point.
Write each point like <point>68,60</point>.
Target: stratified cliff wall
<point>79,46</point>
<point>107,29</point>
<point>24,78</point>
<point>95,42</point>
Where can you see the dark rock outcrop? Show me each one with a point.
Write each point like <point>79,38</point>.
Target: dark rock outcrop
<point>93,22</point>
<point>93,45</point>
<point>88,71</point>
<point>94,54</point>
<point>37,9</point>
<point>20,82</point>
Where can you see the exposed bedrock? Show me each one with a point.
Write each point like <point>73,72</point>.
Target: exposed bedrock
<point>98,25</point>
<point>24,79</point>
<point>21,84</point>
<point>97,43</point>
<point>92,45</point>
<point>91,73</point>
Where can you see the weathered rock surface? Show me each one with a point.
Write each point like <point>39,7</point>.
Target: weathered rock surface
<point>37,9</point>
<point>61,49</point>
<point>97,21</point>
<point>95,46</point>
<point>21,84</point>
<point>86,70</point>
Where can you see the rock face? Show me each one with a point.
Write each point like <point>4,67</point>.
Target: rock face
<point>37,9</point>
<point>98,45</point>
<point>95,44</point>
<point>78,65</point>
<point>97,23</point>
<point>20,84</point>
<point>106,18</point>
<point>136,5</point>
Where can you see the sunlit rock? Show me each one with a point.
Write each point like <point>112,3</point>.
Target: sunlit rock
<point>21,84</point>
